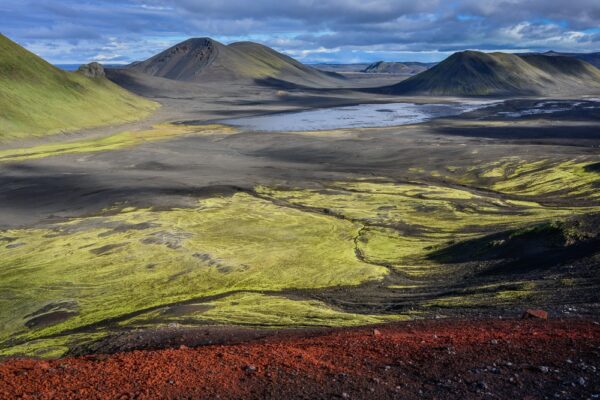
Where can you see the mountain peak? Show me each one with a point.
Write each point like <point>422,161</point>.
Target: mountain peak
<point>205,59</point>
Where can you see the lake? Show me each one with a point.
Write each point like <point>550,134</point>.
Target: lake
<point>359,116</point>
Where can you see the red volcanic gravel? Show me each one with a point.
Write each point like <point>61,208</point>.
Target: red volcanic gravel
<point>498,359</point>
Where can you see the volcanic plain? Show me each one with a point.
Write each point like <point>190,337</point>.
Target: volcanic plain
<point>142,235</point>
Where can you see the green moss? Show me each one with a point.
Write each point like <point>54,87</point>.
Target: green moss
<point>568,282</point>
<point>576,178</point>
<point>50,348</point>
<point>37,98</point>
<point>86,271</point>
<point>491,295</point>
<point>115,265</point>
<point>269,311</point>
<point>274,311</point>
<point>405,222</point>
<point>385,245</point>
<point>113,142</point>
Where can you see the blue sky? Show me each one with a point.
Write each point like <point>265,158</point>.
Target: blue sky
<point>77,31</point>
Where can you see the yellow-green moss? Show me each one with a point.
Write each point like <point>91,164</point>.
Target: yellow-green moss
<point>112,142</point>
<point>268,311</point>
<point>114,265</point>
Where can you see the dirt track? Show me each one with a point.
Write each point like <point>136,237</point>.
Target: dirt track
<point>431,359</point>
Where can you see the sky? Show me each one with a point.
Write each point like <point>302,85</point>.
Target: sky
<point>313,31</point>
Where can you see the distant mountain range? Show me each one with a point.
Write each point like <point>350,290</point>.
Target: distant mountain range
<point>37,98</point>
<point>402,68</point>
<point>340,68</point>
<point>379,67</point>
<point>205,59</point>
<point>472,73</point>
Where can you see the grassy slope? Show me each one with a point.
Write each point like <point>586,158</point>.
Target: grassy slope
<point>473,73</point>
<point>37,98</point>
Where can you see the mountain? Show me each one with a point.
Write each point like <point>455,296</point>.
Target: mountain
<point>340,68</point>
<point>407,68</point>
<point>472,73</point>
<point>592,58</point>
<point>205,59</point>
<point>38,98</point>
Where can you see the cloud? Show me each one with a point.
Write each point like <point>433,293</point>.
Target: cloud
<point>311,30</point>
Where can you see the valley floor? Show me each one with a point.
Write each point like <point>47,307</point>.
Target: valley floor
<point>112,238</point>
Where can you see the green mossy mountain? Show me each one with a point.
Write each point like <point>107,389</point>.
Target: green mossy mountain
<point>472,73</point>
<point>37,98</point>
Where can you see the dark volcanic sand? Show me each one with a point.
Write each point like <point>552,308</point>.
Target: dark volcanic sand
<point>496,359</point>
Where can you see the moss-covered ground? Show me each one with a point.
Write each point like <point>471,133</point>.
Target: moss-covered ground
<point>254,257</point>
<point>112,142</point>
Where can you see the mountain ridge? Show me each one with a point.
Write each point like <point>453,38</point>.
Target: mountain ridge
<point>472,73</point>
<point>205,59</point>
<point>393,67</point>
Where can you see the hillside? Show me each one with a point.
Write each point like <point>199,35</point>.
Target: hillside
<point>409,68</point>
<point>37,98</point>
<point>472,73</point>
<point>592,58</point>
<point>204,59</point>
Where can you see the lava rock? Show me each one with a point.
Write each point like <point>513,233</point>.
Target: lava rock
<point>535,314</point>
<point>92,70</point>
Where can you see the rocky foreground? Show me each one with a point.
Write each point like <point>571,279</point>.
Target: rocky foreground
<point>519,359</point>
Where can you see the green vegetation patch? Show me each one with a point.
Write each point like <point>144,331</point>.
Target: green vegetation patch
<point>576,178</point>
<point>267,311</point>
<point>230,260</point>
<point>112,142</point>
<point>403,223</point>
<point>107,267</point>
<point>491,295</point>
<point>37,98</point>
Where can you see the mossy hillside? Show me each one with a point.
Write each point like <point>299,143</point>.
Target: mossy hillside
<point>113,142</point>
<point>107,267</point>
<point>575,178</point>
<point>37,98</point>
<point>403,223</point>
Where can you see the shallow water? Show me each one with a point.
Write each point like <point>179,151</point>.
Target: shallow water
<point>553,107</point>
<point>360,116</point>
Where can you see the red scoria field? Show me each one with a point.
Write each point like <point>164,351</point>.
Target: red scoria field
<point>501,359</point>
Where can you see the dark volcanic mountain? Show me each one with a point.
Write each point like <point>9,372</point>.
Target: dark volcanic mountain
<point>472,73</point>
<point>592,58</point>
<point>407,68</point>
<point>204,59</point>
